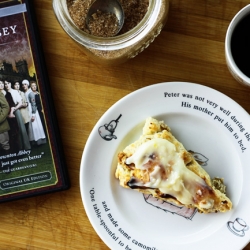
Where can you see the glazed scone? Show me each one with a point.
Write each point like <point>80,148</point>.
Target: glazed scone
<point>158,164</point>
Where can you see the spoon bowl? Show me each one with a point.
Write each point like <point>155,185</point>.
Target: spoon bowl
<point>107,6</point>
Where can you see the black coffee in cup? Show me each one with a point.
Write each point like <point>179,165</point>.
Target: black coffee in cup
<point>240,45</point>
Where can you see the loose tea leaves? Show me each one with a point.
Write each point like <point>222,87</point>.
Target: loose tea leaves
<point>103,24</point>
<point>134,11</point>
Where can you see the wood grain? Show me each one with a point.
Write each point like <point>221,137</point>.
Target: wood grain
<point>190,49</point>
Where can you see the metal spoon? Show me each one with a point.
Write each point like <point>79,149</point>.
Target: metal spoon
<point>107,6</point>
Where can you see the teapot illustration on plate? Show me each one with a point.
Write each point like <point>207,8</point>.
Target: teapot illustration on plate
<point>107,130</point>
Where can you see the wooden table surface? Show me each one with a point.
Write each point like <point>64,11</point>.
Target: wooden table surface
<point>190,49</point>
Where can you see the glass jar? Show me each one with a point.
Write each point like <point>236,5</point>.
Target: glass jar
<point>118,49</point>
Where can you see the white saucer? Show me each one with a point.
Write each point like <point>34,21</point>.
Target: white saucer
<point>207,122</point>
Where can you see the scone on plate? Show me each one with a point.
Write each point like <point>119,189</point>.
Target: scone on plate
<point>158,164</point>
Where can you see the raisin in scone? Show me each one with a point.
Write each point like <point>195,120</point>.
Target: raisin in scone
<point>158,164</point>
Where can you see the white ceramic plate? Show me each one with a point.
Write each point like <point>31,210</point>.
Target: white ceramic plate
<point>207,122</point>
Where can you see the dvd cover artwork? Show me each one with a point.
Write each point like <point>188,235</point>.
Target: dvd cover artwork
<point>31,160</point>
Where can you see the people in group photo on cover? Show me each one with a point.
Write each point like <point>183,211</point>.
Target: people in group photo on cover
<point>33,87</point>
<point>22,124</point>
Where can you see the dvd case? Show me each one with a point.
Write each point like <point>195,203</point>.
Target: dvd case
<point>31,153</point>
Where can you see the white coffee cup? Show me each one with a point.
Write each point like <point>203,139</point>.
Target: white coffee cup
<point>232,66</point>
